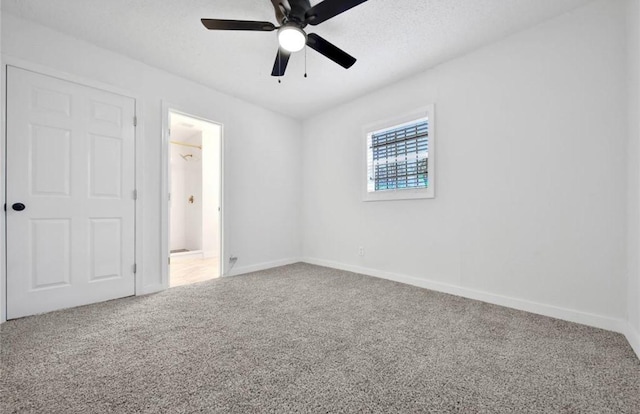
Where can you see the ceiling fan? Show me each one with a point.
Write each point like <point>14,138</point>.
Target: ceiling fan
<point>294,16</point>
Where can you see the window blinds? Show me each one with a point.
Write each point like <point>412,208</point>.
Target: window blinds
<point>398,157</point>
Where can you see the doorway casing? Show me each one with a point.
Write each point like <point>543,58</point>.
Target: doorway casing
<point>167,109</point>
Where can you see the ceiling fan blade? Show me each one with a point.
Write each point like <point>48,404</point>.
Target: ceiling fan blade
<point>280,65</point>
<point>279,9</point>
<point>334,53</point>
<point>329,8</point>
<point>219,24</point>
<point>282,9</point>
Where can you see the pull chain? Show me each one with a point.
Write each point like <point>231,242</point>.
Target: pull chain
<point>305,61</point>
<point>279,66</point>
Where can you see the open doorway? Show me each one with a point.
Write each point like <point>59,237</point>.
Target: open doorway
<point>194,199</point>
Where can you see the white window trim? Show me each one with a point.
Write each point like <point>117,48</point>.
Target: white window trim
<point>401,194</point>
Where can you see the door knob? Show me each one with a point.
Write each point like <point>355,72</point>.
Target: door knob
<point>18,206</point>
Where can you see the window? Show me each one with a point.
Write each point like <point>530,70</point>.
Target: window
<point>400,158</point>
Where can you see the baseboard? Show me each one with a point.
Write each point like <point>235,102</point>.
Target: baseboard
<point>584,318</point>
<point>633,336</point>
<point>261,266</point>
<point>149,289</point>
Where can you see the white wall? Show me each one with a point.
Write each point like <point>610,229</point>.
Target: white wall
<point>2,158</point>
<point>186,180</point>
<point>531,194</point>
<point>176,205</point>
<point>633,213</point>
<point>262,180</point>
<point>192,186</point>
<point>211,192</point>
<point>196,226</point>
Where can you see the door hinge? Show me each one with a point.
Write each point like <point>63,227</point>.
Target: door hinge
<point>135,268</point>
<point>135,194</point>
<point>169,260</point>
<point>135,121</point>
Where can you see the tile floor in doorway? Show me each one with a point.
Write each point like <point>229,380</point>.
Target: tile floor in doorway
<point>187,271</point>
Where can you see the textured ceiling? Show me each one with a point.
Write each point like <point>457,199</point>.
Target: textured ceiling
<point>391,39</point>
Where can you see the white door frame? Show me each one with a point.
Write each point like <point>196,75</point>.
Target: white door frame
<point>167,108</point>
<point>139,163</point>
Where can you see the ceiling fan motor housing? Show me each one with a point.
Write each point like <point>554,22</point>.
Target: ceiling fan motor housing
<point>294,12</point>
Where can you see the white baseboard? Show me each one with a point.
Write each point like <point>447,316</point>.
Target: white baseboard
<point>633,336</point>
<point>261,266</point>
<point>149,289</point>
<point>211,255</point>
<point>597,321</point>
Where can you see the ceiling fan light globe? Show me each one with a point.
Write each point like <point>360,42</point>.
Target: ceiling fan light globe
<point>291,38</point>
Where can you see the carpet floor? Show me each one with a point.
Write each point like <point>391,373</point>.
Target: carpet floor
<point>303,338</point>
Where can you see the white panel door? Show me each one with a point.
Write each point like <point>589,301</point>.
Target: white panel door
<point>70,162</point>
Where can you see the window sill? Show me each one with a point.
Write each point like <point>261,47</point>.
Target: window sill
<point>391,195</point>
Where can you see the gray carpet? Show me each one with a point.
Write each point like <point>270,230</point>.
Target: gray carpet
<point>308,339</point>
